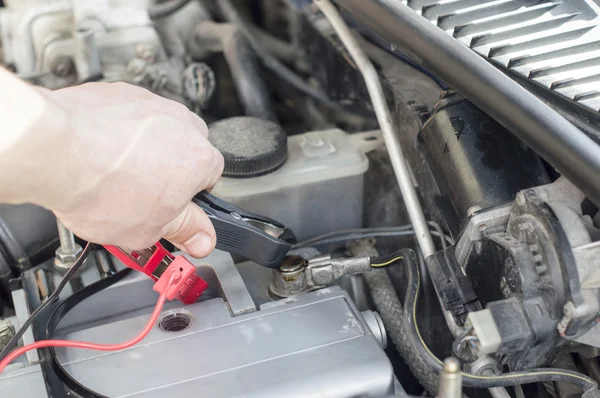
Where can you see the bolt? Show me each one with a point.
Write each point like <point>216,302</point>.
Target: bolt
<point>569,310</point>
<point>321,276</point>
<point>530,194</point>
<point>450,384</point>
<point>68,251</point>
<point>541,268</point>
<point>62,66</point>
<point>472,210</point>
<point>147,52</point>
<point>137,67</point>
<point>290,278</point>
<point>292,264</point>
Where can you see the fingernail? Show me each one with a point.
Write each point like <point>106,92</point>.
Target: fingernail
<point>199,245</point>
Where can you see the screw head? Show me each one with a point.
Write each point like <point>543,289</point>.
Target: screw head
<point>472,210</point>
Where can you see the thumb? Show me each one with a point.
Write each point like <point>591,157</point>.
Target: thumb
<point>192,231</point>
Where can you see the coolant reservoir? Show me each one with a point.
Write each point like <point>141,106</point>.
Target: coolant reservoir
<point>318,189</point>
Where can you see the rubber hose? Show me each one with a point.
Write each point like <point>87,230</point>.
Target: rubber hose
<point>162,10</point>
<point>246,73</point>
<point>390,309</point>
<point>241,58</point>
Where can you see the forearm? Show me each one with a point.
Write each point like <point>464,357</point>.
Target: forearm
<point>32,142</point>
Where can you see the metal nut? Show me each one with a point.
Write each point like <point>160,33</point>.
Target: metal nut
<point>321,276</point>
<point>65,260</point>
<point>483,365</point>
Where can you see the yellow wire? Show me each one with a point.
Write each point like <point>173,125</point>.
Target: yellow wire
<point>387,262</point>
<point>469,374</point>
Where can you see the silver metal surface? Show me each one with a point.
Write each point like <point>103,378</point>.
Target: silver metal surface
<point>317,344</point>
<point>223,275</point>
<point>270,229</point>
<point>375,323</point>
<point>313,345</point>
<point>68,251</point>
<point>44,42</point>
<point>553,43</point>
<point>450,384</point>
<point>482,366</point>
<point>392,143</point>
<point>488,366</point>
<point>22,313</point>
<point>499,392</point>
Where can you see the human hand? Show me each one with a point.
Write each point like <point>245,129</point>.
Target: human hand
<point>130,164</point>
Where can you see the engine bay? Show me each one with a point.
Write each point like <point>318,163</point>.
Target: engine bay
<point>431,168</point>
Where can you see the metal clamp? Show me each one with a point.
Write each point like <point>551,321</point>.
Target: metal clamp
<point>296,275</point>
<point>321,271</point>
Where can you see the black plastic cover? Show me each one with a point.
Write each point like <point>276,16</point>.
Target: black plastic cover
<point>452,285</point>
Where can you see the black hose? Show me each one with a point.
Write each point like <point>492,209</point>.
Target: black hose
<point>390,309</point>
<point>163,10</point>
<point>269,61</point>
<point>245,70</point>
<point>469,380</point>
<point>246,73</point>
<point>560,143</point>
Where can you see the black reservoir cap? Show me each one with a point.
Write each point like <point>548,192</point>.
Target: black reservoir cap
<point>250,146</point>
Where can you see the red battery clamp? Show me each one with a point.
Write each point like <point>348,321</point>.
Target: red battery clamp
<point>158,263</point>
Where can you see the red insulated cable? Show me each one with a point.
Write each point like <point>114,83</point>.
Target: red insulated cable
<point>91,346</point>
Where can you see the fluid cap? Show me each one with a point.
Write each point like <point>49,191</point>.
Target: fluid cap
<point>250,146</point>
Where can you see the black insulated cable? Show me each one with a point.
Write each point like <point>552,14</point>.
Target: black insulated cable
<point>561,144</point>
<point>14,341</point>
<point>59,313</point>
